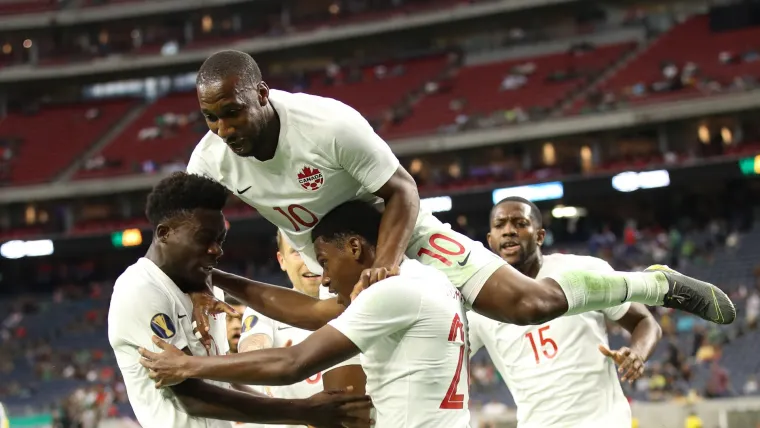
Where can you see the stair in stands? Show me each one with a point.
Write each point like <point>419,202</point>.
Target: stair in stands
<point>103,141</point>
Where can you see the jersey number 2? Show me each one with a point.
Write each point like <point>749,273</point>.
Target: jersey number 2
<point>548,353</point>
<point>452,400</point>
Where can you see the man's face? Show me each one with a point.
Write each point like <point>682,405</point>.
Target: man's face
<point>236,113</point>
<point>193,246</point>
<point>513,235</point>
<point>291,263</point>
<point>234,328</point>
<point>342,264</point>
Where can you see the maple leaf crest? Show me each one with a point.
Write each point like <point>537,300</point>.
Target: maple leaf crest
<point>307,172</point>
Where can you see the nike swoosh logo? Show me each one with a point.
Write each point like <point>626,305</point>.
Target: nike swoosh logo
<point>284,327</point>
<point>240,192</point>
<point>464,262</point>
<point>181,316</point>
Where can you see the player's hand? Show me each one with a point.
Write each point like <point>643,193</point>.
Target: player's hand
<point>629,362</point>
<point>205,304</point>
<point>371,276</point>
<point>338,409</point>
<point>166,368</point>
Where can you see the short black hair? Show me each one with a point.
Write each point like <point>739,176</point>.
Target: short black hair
<point>351,218</point>
<point>180,193</point>
<point>535,213</point>
<point>224,64</point>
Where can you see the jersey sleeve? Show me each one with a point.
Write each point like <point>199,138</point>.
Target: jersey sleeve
<point>616,312</point>
<point>136,316</point>
<point>255,323</point>
<point>198,164</point>
<point>361,152</point>
<point>381,310</point>
<point>474,332</point>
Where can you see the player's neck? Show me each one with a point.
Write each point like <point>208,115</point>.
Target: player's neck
<point>271,137</point>
<point>158,258</point>
<point>533,265</point>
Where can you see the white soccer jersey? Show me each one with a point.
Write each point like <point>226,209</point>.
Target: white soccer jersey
<point>411,331</point>
<point>146,302</point>
<point>280,333</point>
<point>327,154</point>
<point>555,371</point>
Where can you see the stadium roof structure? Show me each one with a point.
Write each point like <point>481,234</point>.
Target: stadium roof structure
<point>122,63</point>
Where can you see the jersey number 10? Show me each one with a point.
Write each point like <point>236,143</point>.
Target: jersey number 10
<point>297,218</point>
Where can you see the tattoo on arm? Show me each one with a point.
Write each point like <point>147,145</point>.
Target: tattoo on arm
<point>255,342</point>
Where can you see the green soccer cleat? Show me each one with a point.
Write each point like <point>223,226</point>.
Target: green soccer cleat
<point>696,297</point>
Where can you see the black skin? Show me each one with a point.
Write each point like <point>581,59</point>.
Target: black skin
<point>242,115</point>
<point>516,235</point>
<point>344,263</point>
<point>186,248</point>
<point>245,119</point>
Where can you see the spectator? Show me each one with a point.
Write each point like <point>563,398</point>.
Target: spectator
<point>718,385</point>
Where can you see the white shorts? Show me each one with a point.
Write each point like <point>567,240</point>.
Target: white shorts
<point>467,263</point>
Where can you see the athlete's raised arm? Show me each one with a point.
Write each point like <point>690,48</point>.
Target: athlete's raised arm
<point>279,303</point>
<point>369,159</point>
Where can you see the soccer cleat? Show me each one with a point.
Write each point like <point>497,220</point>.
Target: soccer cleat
<point>696,297</point>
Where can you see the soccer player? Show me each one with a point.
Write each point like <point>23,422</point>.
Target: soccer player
<point>234,324</point>
<point>555,371</point>
<point>408,328</point>
<point>295,157</point>
<point>260,332</point>
<point>150,298</point>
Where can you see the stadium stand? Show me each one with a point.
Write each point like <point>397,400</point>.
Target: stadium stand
<point>26,6</point>
<point>689,60</point>
<point>58,358</point>
<point>81,124</point>
<point>524,83</point>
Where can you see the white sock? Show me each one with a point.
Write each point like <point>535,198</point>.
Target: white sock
<point>591,291</point>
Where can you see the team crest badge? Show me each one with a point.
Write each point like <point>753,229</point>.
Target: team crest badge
<point>310,178</point>
<point>163,326</point>
<point>249,322</point>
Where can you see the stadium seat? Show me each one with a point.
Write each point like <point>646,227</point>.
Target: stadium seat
<point>52,138</point>
<point>478,87</point>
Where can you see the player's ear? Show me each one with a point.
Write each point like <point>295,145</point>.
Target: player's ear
<point>262,90</point>
<point>355,246</point>
<point>540,235</point>
<point>281,261</point>
<point>162,232</point>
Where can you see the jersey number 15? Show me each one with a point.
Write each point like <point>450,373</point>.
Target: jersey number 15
<point>549,352</point>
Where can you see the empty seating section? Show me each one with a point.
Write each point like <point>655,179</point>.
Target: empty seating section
<point>51,139</point>
<point>9,7</point>
<point>691,41</point>
<point>372,96</point>
<point>478,86</point>
<point>130,151</point>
